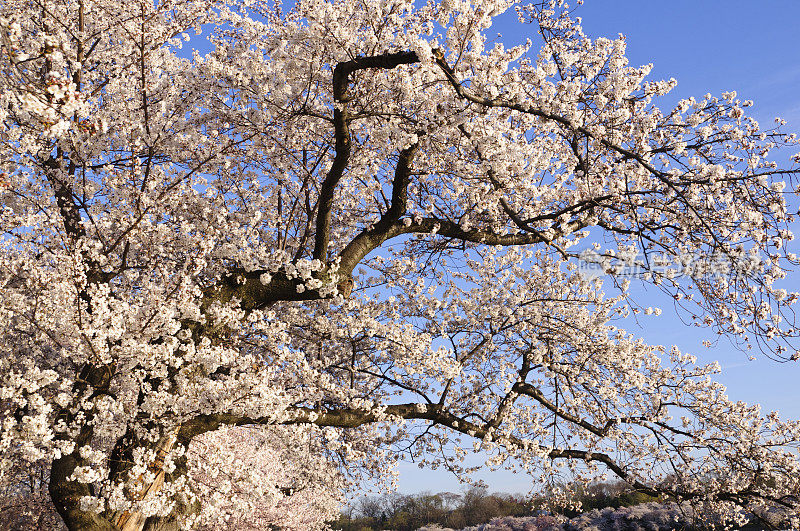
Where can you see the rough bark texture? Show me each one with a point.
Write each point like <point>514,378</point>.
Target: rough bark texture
<point>66,496</point>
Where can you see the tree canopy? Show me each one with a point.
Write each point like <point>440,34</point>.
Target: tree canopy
<point>358,224</point>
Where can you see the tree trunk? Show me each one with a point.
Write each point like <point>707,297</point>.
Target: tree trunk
<point>66,496</point>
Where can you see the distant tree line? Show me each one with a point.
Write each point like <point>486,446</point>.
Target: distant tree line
<point>407,512</point>
<point>598,495</point>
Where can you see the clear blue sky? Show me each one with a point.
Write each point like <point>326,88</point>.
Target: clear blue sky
<point>749,46</point>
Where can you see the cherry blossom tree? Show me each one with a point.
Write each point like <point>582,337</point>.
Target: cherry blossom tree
<point>357,220</point>
<point>251,478</point>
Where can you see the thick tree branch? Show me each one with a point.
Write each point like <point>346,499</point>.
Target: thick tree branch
<point>371,239</point>
<point>402,177</point>
<point>341,119</point>
<point>325,203</point>
<point>435,413</point>
<point>64,492</point>
<point>62,190</point>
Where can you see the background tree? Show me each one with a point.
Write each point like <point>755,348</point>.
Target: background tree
<point>261,478</point>
<point>409,512</point>
<point>24,501</point>
<point>359,217</point>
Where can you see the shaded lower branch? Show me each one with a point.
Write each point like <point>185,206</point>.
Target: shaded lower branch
<point>437,415</point>
<point>434,413</point>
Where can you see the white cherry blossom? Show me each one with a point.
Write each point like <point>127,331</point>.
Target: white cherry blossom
<point>349,233</point>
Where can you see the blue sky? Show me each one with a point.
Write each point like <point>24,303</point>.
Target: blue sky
<point>708,46</point>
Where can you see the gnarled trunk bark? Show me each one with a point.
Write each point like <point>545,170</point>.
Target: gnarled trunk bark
<point>66,496</point>
<point>134,520</point>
